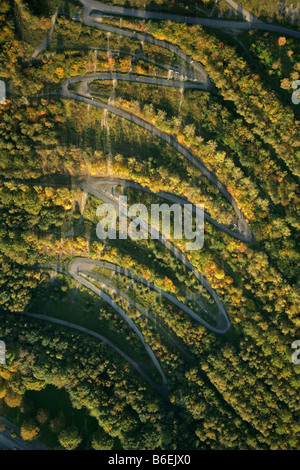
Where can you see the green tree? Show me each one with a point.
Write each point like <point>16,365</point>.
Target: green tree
<point>69,438</point>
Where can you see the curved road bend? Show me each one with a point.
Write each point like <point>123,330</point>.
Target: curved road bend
<point>133,35</point>
<point>103,181</point>
<point>140,56</point>
<point>81,264</point>
<point>73,270</point>
<point>144,37</point>
<point>88,79</point>
<point>96,10</point>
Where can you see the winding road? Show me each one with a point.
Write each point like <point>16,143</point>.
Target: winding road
<point>83,95</point>
<point>80,269</point>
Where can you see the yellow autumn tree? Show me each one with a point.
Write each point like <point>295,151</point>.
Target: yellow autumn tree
<point>281,41</point>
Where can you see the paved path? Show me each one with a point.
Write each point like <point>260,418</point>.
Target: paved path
<point>96,10</point>
<point>17,443</point>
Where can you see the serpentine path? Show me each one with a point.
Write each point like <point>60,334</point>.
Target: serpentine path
<point>80,269</point>
<point>244,234</point>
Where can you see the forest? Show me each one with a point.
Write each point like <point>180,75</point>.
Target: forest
<point>239,390</point>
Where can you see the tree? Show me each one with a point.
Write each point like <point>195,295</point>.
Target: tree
<point>281,41</point>
<point>102,441</point>
<point>42,416</point>
<point>12,399</point>
<point>29,430</point>
<point>69,438</point>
